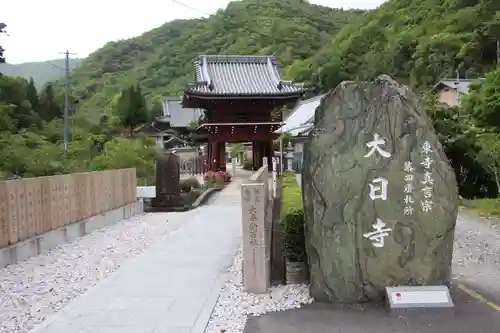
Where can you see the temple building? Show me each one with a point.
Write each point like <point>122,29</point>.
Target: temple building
<point>238,94</point>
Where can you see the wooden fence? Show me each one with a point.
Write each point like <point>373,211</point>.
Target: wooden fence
<point>33,206</point>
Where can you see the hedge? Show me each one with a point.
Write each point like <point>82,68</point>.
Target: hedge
<point>292,218</point>
<point>291,197</point>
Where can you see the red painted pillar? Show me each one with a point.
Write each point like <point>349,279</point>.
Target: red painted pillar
<point>222,156</point>
<point>270,154</point>
<point>213,155</point>
<point>255,154</point>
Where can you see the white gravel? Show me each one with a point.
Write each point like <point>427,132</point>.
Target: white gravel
<point>476,253</point>
<point>32,290</point>
<point>235,305</point>
<point>476,258</point>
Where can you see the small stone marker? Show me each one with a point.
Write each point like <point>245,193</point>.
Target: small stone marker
<point>401,298</point>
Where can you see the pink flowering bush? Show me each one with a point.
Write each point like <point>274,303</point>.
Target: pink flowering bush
<point>217,178</point>
<point>224,175</point>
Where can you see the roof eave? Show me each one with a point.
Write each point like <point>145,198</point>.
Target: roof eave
<point>201,95</point>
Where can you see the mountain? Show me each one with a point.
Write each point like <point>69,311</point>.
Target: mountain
<point>161,60</point>
<point>41,72</point>
<point>417,42</point>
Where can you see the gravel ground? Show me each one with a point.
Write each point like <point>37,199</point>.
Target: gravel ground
<point>234,305</point>
<point>476,259</point>
<point>32,290</point>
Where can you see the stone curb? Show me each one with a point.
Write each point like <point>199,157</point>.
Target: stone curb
<point>209,305</point>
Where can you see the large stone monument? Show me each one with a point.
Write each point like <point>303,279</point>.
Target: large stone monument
<point>168,188</point>
<point>380,196</point>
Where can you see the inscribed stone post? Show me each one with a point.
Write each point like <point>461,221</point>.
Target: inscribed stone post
<point>255,264</point>
<point>168,177</point>
<point>274,177</point>
<point>380,196</point>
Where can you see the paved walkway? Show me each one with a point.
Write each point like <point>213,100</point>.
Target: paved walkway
<point>170,288</point>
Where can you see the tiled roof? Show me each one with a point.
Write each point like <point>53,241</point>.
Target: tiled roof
<point>178,116</point>
<point>240,76</point>
<point>302,117</point>
<point>462,85</point>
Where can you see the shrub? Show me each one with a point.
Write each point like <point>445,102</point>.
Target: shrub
<point>219,179</point>
<point>188,184</point>
<point>224,175</point>
<point>292,218</point>
<point>209,177</point>
<point>294,235</point>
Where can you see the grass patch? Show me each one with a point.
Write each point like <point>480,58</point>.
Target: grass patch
<point>291,195</point>
<point>489,207</point>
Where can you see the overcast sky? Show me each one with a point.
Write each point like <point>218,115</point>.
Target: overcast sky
<point>39,30</point>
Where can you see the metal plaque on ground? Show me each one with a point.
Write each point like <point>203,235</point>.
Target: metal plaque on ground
<point>402,298</point>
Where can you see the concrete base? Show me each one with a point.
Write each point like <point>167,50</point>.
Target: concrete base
<point>54,238</point>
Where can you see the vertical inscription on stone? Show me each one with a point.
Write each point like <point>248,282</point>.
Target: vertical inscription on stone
<point>428,182</point>
<point>255,270</point>
<point>252,226</point>
<point>409,200</point>
<point>378,190</point>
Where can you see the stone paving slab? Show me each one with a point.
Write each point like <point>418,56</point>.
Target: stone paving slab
<point>170,288</point>
<point>469,316</point>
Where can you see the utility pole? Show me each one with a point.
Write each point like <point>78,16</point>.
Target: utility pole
<point>66,99</point>
<point>498,53</point>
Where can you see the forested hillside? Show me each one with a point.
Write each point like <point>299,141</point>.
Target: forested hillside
<point>41,72</point>
<point>417,42</point>
<point>161,60</point>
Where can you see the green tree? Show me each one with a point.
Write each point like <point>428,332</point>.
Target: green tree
<point>49,107</point>
<point>32,95</point>
<point>483,101</point>
<point>2,30</point>
<point>489,155</point>
<point>131,108</point>
<point>136,153</point>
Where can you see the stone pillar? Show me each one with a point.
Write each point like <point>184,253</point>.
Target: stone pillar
<point>289,161</point>
<point>159,142</point>
<point>168,187</point>
<point>255,262</point>
<point>265,180</point>
<point>274,177</point>
<point>233,167</point>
